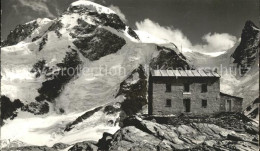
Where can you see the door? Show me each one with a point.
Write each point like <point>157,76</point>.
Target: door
<point>186,103</point>
<point>229,105</point>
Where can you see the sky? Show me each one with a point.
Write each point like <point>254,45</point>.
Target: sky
<point>204,25</point>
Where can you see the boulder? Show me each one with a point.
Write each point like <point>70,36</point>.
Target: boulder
<point>59,146</point>
<point>131,138</point>
<point>104,142</point>
<point>84,146</point>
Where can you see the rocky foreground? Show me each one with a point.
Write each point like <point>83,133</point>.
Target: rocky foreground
<point>224,131</point>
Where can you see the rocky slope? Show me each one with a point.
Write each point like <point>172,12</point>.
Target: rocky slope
<point>183,132</point>
<point>247,52</point>
<point>189,135</point>
<point>252,111</point>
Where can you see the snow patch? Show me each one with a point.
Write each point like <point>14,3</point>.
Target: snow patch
<point>186,50</point>
<point>129,36</point>
<point>255,28</point>
<point>69,21</point>
<point>214,54</point>
<point>93,6</point>
<point>50,128</point>
<point>148,38</point>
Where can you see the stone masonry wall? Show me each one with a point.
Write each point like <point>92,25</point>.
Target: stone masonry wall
<point>159,95</point>
<point>236,104</point>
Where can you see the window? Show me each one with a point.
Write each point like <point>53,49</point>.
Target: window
<point>204,103</point>
<point>168,87</point>
<point>186,88</point>
<point>204,88</point>
<point>168,102</point>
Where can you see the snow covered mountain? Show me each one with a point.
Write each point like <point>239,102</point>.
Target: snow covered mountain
<point>238,67</point>
<point>110,64</point>
<point>73,78</point>
<point>247,53</point>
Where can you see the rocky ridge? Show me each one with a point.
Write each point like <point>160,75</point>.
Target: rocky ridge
<point>196,135</point>
<point>247,52</point>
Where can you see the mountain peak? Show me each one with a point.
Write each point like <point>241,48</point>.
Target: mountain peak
<point>249,23</point>
<point>91,6</point>
<point>250,27</point>
<point>246,53</point>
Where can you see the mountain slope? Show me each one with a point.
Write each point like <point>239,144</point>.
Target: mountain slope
<point>244,63</point>
<point>247,53</point>
<point>238,66</point>
<point>82,74</point>
<point>63,69</point>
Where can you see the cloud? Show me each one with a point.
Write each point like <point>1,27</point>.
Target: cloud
<point>39,6</point>
<point>216,42</point>
<point>98,1</point>
<point>118,12</point>
<point>167,33</point>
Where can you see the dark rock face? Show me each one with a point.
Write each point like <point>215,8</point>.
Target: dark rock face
<point>77,9</point>
<point>135,93</point>
<point>41,68</point>
<point>84,146</point>
<point>110,109</point>
<point>102,43</point>
<point>257,100</point>
<point>82,28</point>
<point>60,146</point>
<point>81,118</point>
<point>8,108</point>
<point>43,42</point>
<point>254,113</point>
<point>38,68</point>
<point>56,26</point>
<point>253,109</point>
<point>105,141</point>
<point>169,59</point>
<point>52,88</point>
<point>111,20</point>
<point>132,33</point>
<point>20,33</point>
<point>246,53</point>
<point>37,108</point>
<point>36,38</point>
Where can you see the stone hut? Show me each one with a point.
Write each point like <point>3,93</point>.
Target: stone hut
<point>193,91</point>
<point>229,103</point>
